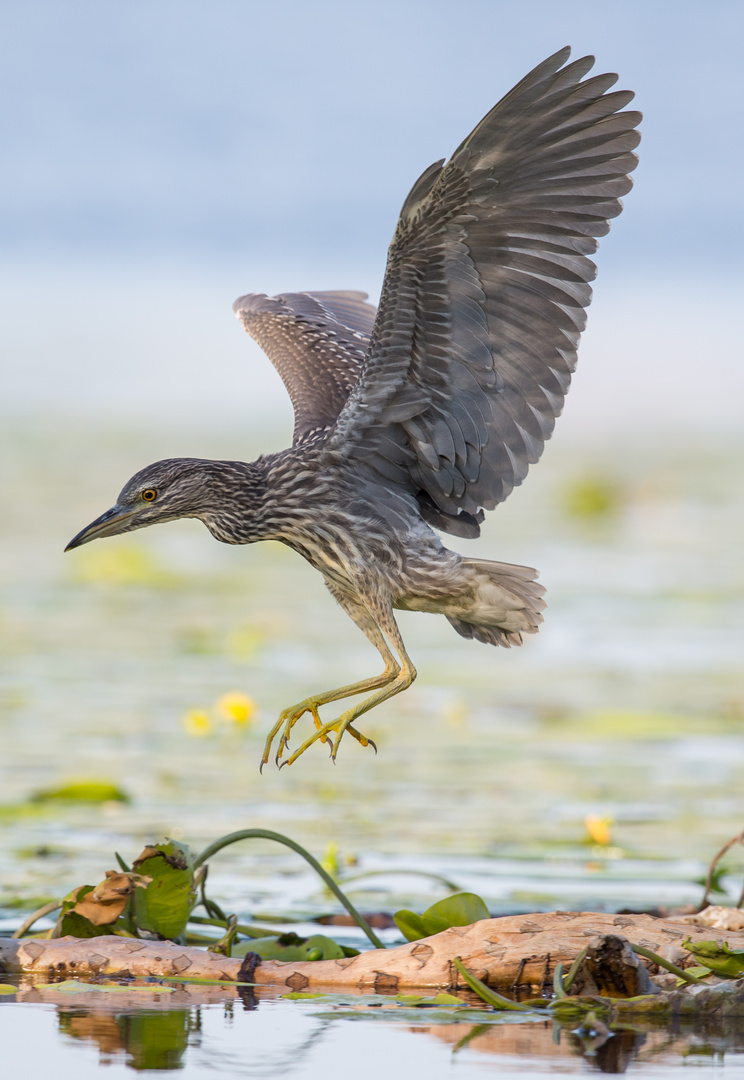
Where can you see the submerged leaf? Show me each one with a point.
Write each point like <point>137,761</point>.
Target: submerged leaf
<point>74,986</point>
<point>439,999</point>
<point>431,1016</point>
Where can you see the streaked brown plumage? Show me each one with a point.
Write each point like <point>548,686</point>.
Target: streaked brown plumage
<point>431,409</point>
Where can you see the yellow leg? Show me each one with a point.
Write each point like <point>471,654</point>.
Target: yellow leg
<point>399,682</point>
<point>289,717</point>
<point>376,620</point>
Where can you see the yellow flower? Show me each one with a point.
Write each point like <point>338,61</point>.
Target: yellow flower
<point>598,829</point>
<point>329,862</point>
<point>236,708</point>
<point>197,723</point>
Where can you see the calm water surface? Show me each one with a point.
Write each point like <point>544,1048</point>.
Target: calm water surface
<point>290,1038</point>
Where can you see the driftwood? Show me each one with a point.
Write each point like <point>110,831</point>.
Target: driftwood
<point>516,952</point>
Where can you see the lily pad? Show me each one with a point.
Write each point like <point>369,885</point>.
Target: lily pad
<point>74,986</point>
<point>431,1016</point>
<point>82,791</point>
<point>461,909</point>
<point>291,947</point>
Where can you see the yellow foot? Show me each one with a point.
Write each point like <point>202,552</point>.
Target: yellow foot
<point>289,718</point>
<point>322,734</point>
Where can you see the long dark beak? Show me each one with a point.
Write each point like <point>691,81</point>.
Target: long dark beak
<point>108,524</point>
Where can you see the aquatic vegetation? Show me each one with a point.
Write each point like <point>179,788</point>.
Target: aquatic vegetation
<point>234,709</point>
<point>718,957</point>
<point>82,791</point>
<point>462,909</point>
<point>592,497</point>
<point>197,723</point>
<point>163,906</point>
<point>598,830</point>
<point>158,894</point>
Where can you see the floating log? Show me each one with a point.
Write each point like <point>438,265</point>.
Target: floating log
<point>514,953</point>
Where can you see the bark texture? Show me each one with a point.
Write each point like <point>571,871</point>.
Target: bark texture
<point>510,953</point>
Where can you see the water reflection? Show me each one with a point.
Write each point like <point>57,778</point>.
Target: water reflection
<point>146,1040</point>
<point>233,1034</point>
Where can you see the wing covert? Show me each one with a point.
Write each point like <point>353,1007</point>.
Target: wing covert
<point>485,293</point>
<point>317,342</point>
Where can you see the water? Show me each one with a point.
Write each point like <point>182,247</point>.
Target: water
<point>627,706</point>
<point>205,1033</point>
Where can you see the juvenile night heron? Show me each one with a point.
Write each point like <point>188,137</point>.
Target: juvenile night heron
<point>429,410</point>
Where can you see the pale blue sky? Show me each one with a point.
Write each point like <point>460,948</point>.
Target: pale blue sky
<point>164,156</point>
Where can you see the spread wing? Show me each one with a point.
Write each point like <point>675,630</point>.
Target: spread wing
<point>317,342</point>
<point>483,302</point>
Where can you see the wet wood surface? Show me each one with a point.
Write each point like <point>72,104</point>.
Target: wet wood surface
<point>508,953</point>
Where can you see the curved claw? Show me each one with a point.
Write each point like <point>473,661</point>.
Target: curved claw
<point>322,734</point>
<point>331,732</point>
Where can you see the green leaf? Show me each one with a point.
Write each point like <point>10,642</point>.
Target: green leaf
<point>164,906</point>
<point>486,993</point>
<point>461,909</point>
<point>78,926</point>
<point>85,791</point>
<point>440,999</point>
<point>410,924</point>
<point>297,995</point>
<point>431,1016</point>
<point>291,947</point>
<point>698,971</point>
<point>718,957</point>
<point>356,1000</point>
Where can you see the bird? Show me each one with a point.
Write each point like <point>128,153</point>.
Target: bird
<point>414,418</point>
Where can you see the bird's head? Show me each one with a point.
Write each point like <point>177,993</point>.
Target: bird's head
<point>174,488</point>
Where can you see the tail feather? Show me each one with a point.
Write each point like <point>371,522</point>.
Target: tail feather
<point>510,604</point>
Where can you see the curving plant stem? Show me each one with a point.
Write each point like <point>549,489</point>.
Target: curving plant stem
<point>402,870</point>
<point>738,839</point>
<point>279,838</point>
<point>47,909</point>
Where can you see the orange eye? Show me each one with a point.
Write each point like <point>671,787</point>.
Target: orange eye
<point>149,494</point>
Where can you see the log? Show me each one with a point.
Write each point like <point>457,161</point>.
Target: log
<point>515,952</point>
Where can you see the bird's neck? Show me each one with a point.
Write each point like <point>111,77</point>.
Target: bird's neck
<point>273,498</point>
<point>234,505</point>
